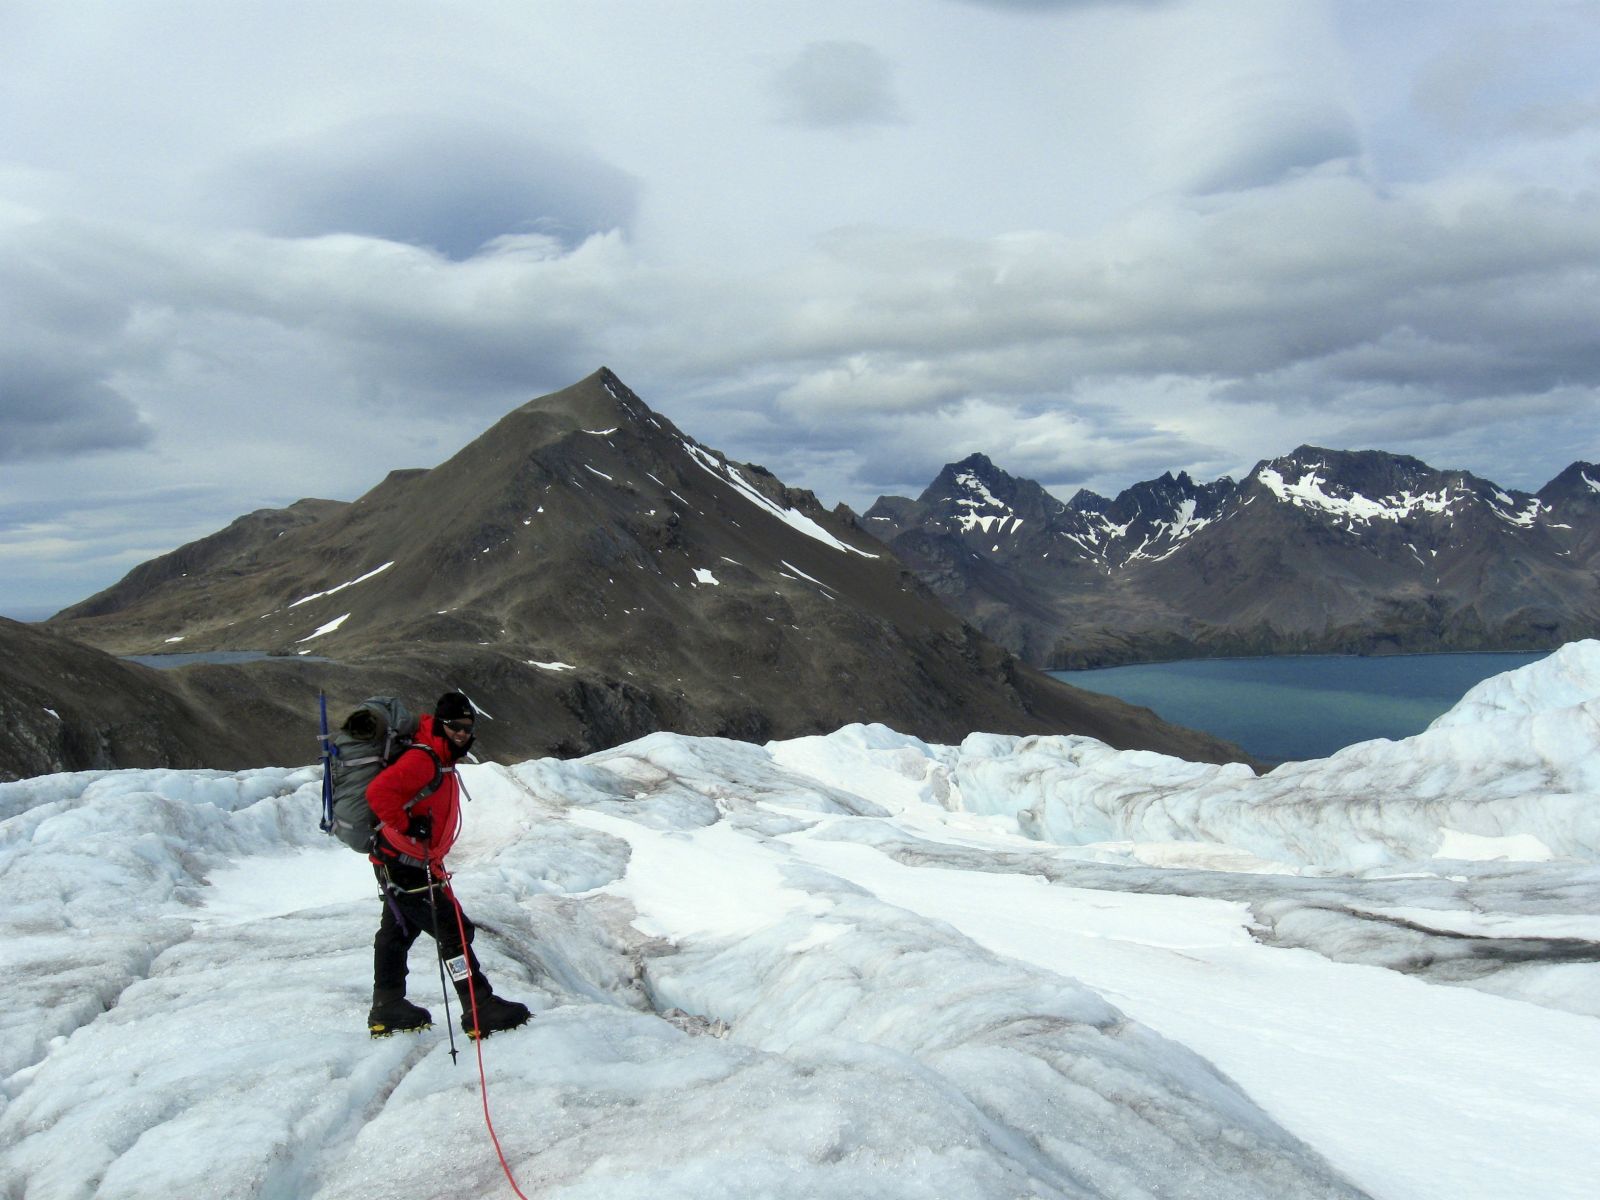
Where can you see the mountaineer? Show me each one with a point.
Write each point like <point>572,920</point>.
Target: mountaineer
<point>416,803</point>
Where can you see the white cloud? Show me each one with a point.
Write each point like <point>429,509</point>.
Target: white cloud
<point>1248,93</point>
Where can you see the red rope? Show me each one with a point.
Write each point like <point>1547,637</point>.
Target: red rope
<point>483,1079</point>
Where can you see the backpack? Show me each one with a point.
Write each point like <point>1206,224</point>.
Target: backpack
<point>373,736</point>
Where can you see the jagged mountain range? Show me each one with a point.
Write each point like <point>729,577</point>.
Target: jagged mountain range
<point>1319,551</point>
<point>585,571</point>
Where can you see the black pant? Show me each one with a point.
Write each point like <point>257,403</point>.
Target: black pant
<point>407,913</point>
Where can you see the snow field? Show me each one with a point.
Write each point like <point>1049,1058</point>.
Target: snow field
<point>853,965</point>
<point>1402,1084</point>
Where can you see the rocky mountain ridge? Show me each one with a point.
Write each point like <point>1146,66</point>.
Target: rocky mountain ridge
<point>588,574</point>
<point>1315,551</point>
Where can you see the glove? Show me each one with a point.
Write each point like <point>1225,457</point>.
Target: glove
<point>420,829</point>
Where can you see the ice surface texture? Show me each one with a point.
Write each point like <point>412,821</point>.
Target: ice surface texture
<point>854,965</point>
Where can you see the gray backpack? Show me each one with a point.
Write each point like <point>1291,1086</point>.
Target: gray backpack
<point>371,738</point>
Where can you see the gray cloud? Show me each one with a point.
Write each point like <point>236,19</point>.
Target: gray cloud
<point>52,411</point>
<point>1200,336</point>
<point>60,312</point>
<point>1251,281</point>
<point>1197,336</point>
<point>1298,275</point>
<point>449,184</point>
<point>834,85</point>
<point>1254,129</point>
<point>1063,442</point>
<point>60,546</point>
<point>1262,146</point>
<point>1556,119</point>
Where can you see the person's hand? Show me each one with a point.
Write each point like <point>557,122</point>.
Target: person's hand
<point>420,828</point>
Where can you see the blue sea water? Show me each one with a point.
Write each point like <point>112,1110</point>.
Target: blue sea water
<point>168,662</point>
<point>1304,706</point>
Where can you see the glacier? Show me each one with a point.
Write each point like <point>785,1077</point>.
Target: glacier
<point>853,965</point>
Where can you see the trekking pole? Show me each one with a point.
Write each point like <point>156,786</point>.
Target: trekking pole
<point>444,986</point>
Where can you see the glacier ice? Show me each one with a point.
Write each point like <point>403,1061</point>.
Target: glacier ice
<point>848,965</point>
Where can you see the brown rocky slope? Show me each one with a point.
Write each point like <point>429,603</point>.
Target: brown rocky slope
<point>588,574</point>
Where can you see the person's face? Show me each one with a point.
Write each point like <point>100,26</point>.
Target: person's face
<point>459,731</point>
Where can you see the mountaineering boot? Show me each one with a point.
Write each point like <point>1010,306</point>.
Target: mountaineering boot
<point>396,1014</point>
<point>494,1014</point>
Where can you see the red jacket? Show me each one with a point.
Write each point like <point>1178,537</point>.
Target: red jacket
<point>399,784</point>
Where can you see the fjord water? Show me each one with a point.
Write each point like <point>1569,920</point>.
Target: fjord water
<point>1301,706</point>
<point>170,662</point>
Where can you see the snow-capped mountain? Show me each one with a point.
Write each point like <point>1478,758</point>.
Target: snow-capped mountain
<point>857,964</point>
<point>587,573</point>
<point>1574,496</point>
<point>1320,550</point>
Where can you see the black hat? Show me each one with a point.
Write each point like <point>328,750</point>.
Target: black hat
<point>453,706</point>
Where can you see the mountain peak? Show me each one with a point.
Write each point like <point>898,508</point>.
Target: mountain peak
<point>1083,500</point>
<point>974,482</point>
<point>598,401</point>
<point>1360,484</point>
<point>1580,481</point>
<point>978,462</point>
<point>1357,467</point>
<point>589,574</point>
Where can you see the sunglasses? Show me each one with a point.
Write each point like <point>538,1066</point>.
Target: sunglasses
<point>461,726</point>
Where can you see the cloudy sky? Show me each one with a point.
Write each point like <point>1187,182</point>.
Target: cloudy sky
<point>253,252</point>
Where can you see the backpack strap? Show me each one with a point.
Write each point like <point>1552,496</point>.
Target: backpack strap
<point>439,770</point>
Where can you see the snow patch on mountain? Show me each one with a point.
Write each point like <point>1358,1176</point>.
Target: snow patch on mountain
<point>1184,523</point>
<point>1169,535</point>
<point>327,628</point>
<point>1309,491</point>
<point>980,507</point>
<point>376,571</point>
<point>1524,516</point>
<point>795,520</point>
